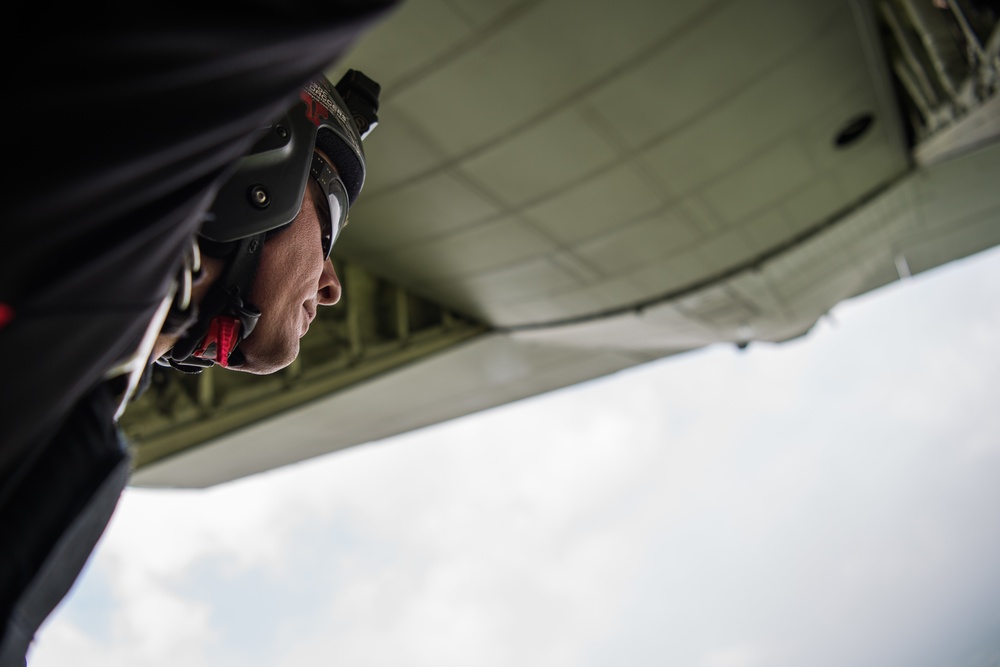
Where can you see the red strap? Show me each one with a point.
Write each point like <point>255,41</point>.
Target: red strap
<point>224,332</point>
<point>6,314</point>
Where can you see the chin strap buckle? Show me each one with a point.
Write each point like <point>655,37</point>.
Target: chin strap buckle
<point>222,337</point>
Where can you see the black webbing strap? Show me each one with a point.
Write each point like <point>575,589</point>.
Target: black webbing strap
<point>228,296</point>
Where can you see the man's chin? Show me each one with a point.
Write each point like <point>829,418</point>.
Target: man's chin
<point>266,359</point>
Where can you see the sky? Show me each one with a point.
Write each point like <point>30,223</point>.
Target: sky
<point>829,501</point>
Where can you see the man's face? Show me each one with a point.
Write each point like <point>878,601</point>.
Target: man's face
<point>293,279</point>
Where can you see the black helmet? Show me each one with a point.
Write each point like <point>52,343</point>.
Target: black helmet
<point>263,196</point>
<point>265,191</point>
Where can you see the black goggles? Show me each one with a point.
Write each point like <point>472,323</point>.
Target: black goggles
<point>337,202</point>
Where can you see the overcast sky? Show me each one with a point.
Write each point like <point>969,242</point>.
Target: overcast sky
<point>832,501</point>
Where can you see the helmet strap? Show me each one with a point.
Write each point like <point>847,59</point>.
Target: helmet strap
<point>225,315</point>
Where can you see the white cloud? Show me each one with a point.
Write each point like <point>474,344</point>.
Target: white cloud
<point>828,501</point>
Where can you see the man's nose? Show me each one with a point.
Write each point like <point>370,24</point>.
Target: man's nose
<point>329,285</point>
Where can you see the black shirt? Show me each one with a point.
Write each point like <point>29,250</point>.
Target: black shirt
<point>118,139</point>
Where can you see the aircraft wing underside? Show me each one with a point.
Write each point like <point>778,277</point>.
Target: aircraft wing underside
<point>559,190</point>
